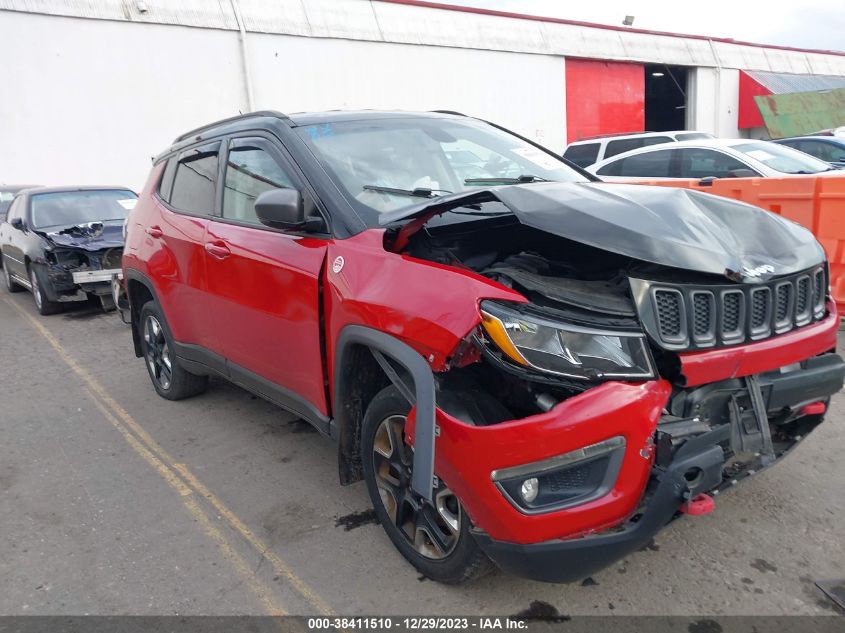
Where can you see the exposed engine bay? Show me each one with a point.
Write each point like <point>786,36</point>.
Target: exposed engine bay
<point>83,261</point>
<point>757,418</point>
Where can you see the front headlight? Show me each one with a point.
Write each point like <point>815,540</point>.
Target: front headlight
<point>563,349</point>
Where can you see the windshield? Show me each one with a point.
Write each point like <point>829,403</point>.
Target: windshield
<point>70,208</point>
<point>382,165</point>
<point>783,159</point>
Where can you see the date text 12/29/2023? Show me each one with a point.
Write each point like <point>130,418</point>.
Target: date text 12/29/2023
<point>423,623</point>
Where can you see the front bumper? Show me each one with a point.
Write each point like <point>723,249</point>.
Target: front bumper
<point>571,560</point>
<point>710,456</point>
<point>571,543</point>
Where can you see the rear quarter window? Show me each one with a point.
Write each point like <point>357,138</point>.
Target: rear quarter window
<point>627,144</point>
<point>647,165</point>
<point>195,180</point>
<point>582,155</point>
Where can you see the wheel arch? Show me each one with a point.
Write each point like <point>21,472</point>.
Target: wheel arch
<point>139,290</point>
<point>367,360</point>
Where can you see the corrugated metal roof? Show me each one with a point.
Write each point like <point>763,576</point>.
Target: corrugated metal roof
<point>411,22</point>
<point>786,83</point>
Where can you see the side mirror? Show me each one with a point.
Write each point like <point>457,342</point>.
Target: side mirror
<point>285,209</point>
<point>17,223</point>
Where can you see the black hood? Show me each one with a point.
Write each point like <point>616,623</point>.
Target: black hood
<point>94,236</point>
<point>673,227</point>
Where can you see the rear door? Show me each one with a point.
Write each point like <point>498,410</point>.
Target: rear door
<point>186,199</point>
<point>264,284</point>
<point>12,239</point>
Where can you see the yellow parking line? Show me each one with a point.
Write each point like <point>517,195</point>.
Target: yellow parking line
<point>225,547</point>
<point>280,567</point>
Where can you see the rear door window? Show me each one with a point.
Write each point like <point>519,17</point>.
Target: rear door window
<point>195,180</point>
<point>582,155</point>
<point>825,151</point>
<point>656,164</point>
<point>695,162</point>
<point>627,144</point>
<point>251,169</point>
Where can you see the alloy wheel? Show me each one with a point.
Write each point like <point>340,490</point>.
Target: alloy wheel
<point>36,290</point>
<point>158,353</point>
<point>433,531</point>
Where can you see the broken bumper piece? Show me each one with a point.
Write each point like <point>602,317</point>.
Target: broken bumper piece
<point>97,276</point>
<point>575,559</point>
<point>682,473</point>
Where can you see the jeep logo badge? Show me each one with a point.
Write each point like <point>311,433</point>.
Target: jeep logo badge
<point>337,266</point>
<point>759,271</point>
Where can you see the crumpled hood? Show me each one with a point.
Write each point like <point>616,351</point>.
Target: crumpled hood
<point>111,236</point>
<point>663,225</point>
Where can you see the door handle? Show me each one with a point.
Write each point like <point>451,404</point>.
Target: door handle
<point>154,231</point>
<point>217,249</point>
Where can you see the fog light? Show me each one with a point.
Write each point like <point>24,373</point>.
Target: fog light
<point>563,481</point>
<point>529,490</point>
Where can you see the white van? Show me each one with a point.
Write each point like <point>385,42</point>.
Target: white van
<point>592,150</point>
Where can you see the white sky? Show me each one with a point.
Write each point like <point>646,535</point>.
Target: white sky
<point>802,23</point>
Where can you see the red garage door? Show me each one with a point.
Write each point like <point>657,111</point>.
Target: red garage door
<point>603,98</point>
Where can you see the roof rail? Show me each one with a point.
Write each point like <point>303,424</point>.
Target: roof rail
<point>230,119</point>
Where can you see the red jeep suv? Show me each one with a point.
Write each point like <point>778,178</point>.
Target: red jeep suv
<point>527,366</point>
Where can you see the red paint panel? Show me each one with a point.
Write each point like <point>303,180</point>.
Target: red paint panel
<point>467,455</point>
<point>603,98</point>
<point>701,368</point>
<point>749,114</point>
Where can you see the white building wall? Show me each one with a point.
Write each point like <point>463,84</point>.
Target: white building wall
<point>525,93</point>
<point>713,100</point>
<point>94,100</point>
<point>91,101</point>
<point>91,89</point>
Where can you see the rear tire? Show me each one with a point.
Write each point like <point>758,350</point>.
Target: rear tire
<point>434,539</point>
<point>170,380</point>
<point>11,285</point>
<point>44,306</point>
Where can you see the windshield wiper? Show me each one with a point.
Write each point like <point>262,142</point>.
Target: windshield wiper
<point>419,192</point>
<point>493,180</point>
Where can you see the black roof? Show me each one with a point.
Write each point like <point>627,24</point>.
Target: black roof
<point>242,121</point>
<point>335,116</point>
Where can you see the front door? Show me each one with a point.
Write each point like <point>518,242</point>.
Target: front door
<point>263,284</point>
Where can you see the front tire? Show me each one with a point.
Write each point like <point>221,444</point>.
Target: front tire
<point>434,539</point>
<point>42,303</point>
<point>170,380</point>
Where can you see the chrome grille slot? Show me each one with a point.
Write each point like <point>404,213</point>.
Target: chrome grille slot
<point>703,317</point>
<point>803,300</point>
<point>761,312</point>
<point>784,306</point>
<point>819,292</point>
<point>669,304</point>
<point>733,316</point>
<point>696,316</point>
